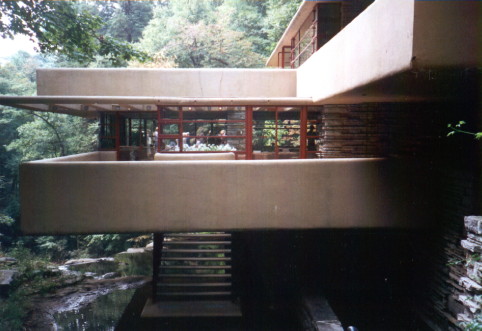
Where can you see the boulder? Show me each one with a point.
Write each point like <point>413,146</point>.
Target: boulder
<point>135,250</point>
<point>98,266</point>
<point>7,259</point>
<point>136,261</point>
<point>89,260</point>
<point>471,246</point>
<point>110,275</point>
<point>150,246</point>
<point>469,284</point>
<point>7,277</point>
<point>473,224</point>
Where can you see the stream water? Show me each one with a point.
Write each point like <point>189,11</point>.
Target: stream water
<point>106,310</point>
<point>103,314</point>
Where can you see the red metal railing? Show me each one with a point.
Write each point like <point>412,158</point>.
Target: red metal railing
<point>300,51</point>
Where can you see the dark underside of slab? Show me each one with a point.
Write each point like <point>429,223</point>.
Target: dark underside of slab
<point>201,308</point>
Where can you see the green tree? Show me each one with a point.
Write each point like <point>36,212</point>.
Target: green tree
<point>53,135</point>
<point>63,27</point>
<point>27,135</point>
<point>17,77</point>
<point>197,34</point>
<point>126,19</point>
<point>278,16</point>
<point>247,17</point>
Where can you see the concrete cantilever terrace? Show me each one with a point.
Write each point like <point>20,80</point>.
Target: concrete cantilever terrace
<point>87,194</point>
<point>385,55</point>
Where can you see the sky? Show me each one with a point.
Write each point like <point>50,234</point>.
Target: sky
<point>9,47</point>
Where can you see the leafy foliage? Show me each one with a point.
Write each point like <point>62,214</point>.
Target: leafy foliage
<point>208,33</point>
<point>474,325</point>
<point>195,38</point>
<point>26,135</point>
<point>63,27</point>
<point>457,128</point>
<point>247,17</point>
<point>278,16</point>
<point>104,244</point>
<point>13,312</point>
<point>127,19</point>
<point>36,277</point>
<point>53,135</point>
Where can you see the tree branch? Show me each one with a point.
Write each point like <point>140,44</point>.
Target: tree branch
<point>220,61</point>
<point>57,134</point>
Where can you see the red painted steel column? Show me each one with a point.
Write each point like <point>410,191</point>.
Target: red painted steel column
<point>292,53</point>
<point>117,135</point>
<point>276,148</point>
<point>303,133</point>
<point>140,138</point>
<point>282,58</point>
<point>180,128</point>
<point>249,132</point>
<point>156,263</point>
<point>158,149</point>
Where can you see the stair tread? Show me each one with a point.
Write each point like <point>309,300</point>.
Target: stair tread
<point>196,242</point>
<point>197,284</point>
<point>191,258</point>
<point>220,293</point>
<point>207,278</point>
<point>191,308</point>
<point>194,250</point>
<point>205,235</point>
<point>195,275</point>
<point>195,267</point>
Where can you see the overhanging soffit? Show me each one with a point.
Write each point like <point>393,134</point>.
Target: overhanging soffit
<point>88,106</point>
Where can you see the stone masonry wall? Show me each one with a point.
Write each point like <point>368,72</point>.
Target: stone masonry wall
<point>377,130</point>
<point>418,131</point>
<point>442,253</point>
<point>469,296</point>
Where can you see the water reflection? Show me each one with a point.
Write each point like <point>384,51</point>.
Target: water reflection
<point>102,314</point>
<point>105,312</point>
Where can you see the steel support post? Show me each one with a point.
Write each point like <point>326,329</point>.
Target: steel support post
<point>156,263</point>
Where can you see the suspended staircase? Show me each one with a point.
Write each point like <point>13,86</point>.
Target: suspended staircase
<point>192,276</point>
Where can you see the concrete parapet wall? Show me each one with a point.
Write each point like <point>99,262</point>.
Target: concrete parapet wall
<point>393,43</point>
<point>84,157</point>
<point>155,196</point>
<point>199,83</point>
<point>447,34</point>
<point>376,44</point>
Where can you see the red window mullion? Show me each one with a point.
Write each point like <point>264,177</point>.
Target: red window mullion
<point>181,129</point>
<point>117,135</point>
<point>159,130</point>
<point>276,148</point>
<point>303,133</point>
<point>249,132</point>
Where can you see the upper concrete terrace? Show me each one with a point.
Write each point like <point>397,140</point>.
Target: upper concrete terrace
<point>394,51</point>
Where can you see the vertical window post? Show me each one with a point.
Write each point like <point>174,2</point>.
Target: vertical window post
<point>249,132</point>
<point>303,133</point>
<point>276,149</point>
<point>180,129</point>
<point>159,109</point>
<point>141,137</point>
<point>117,135</point>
